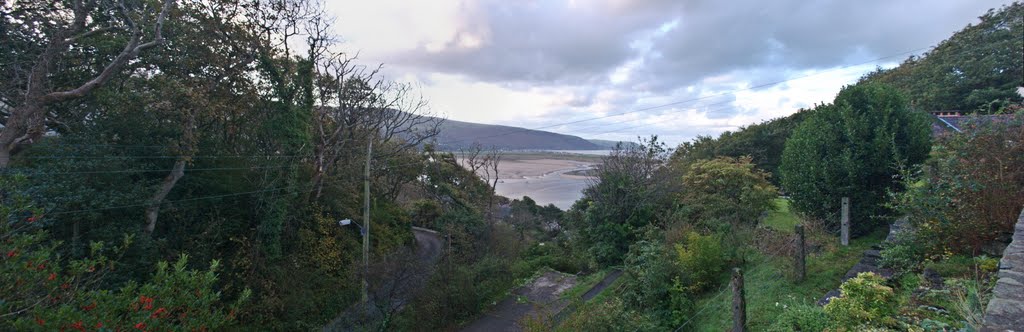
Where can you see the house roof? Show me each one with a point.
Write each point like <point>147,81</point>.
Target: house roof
<point>957,124</point>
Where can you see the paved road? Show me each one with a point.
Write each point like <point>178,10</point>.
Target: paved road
<point>539,299</point>
<point>428,243</point>
<point>429,246</point>
<point>542,299</point>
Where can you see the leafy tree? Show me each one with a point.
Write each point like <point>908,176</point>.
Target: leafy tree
<point>762,142</point>
<point>528,218</point>
<point>979,64</point>
<point>702,258</point>
<point>631,186</point>
<point>49,46</point>
<point>726,191</point>
<point>853,148</point>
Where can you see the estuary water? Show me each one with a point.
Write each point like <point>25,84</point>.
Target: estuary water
<point>555,187</point>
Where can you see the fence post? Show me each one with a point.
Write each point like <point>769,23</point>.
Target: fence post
<point>739,304</point>
<point>845,231</point>
<point>801,254</point>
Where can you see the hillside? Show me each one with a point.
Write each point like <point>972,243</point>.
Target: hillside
<point>458,134</point>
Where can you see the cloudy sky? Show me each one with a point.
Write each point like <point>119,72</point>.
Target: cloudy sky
<point>675,68</point>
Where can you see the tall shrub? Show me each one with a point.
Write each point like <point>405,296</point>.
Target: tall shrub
<point>727,191</point>
<point>972,190</point>
<point>853,148</point>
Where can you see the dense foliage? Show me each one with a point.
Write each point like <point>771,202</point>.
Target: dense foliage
<point>700,211</point>
<point>42,291</point>
<point>762,143</point>
<point>631,187</point>
<point>725,192</point>
<point>971,191</point>
<point>238,133</point>
<point>217,139</point>
<point>853,148</point>
<point>977,69</point>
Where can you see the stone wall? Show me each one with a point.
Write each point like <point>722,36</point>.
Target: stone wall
<point>1005,311</point>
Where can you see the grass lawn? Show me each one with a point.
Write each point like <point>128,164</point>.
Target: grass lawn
<point>770,286</point>
<point>781,219</point>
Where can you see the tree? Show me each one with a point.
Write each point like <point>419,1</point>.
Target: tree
<point>483,163</point>
<point>43,37</point>
<point>853,148</point>
<point>631,186</point>
<point>726,191</point>
<point>980,64</point>
<point>762,142</point>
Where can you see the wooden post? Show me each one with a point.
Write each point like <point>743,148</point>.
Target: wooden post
<point>801,254</point>
<point>845,231</point>
<point>739,304</point>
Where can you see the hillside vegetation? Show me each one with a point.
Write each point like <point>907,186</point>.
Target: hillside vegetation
<point>210,165</point>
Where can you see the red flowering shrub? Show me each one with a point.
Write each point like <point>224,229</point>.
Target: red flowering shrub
<point>41,291</point>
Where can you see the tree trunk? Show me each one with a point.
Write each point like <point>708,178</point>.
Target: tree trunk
<point>186,150</point>
<point>24,125</point>
<point>153,211</point>
<point>318,175</point>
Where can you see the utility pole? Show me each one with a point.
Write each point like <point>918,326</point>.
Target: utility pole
<point>366,226</point>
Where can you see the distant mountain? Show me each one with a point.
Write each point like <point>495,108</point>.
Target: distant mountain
<point>457,134</point>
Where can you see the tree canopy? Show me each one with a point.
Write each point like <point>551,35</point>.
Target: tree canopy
<point>977,69</point>
<point>853,148</point>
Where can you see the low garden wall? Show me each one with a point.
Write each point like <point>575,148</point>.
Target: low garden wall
<point>1005,311</point>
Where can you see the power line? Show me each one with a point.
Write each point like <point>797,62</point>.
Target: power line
<point>165,157</point>
<point>514,130</point>
<point>639,119</point>
<point>166,202</point>
<point>517,130</point>
<point>30,173</point>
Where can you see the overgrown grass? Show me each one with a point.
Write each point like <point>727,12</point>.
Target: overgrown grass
<point>770,286</point>
<point>584,284</point>
<point>781,219</point>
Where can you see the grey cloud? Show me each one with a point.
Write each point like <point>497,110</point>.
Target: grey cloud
<point>538,44</point>
<point>541,41</point>
<point>713,38</point>
<point>549,42</point>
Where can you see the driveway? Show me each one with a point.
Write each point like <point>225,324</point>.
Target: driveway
<point>429,246</point>
<point>541,299</point>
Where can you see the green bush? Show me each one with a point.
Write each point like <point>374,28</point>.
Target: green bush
<point>42,291</point>
<point>728,191</point>
<point>649,267</point>
<point>865,303</point>
<point>851,149</point>
<point>971,191</point>
<point>801,317</point>
<point>702,258</point>
<point>903,254</point>
<point>425,212</point>
<point>632,187</point>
